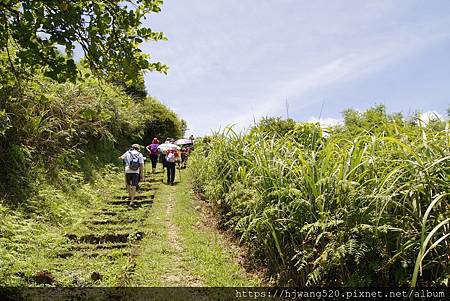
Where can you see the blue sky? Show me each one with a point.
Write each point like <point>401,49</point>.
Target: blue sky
<point>235,61</point>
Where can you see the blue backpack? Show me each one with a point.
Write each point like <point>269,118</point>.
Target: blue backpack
<point>134,162</point>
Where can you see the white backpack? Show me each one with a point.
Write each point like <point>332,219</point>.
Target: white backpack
<point>170,157</point>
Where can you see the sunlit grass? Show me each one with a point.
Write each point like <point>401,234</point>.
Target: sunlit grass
<point>350,209</point>
<point>206,253</point>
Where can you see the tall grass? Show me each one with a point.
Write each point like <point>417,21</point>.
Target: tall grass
<point>366,206</point>
<point>49,126</point>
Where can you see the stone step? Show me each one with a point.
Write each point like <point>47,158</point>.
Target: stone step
<point>138,197</point>
<point>114,222</point>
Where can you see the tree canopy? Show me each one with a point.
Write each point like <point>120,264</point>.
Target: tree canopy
<point>109,33</point>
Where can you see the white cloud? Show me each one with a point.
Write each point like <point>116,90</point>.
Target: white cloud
<point>430,115</point>
<point>353,65</point>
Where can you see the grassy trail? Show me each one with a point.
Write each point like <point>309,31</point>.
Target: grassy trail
<point>182,250</point>
<point>161,240</point>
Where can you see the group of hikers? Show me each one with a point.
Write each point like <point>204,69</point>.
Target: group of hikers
<point>169,154</point>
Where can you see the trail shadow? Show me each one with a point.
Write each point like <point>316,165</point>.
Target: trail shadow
<point>109,213</point>
<point>144,188</point>
<point>138,197</point>
<point>113,227</point>
<point>135,203</point>
<point>106,238</point>
<point>66,255</point>
<point>174,183</point>
<point>113,222</point>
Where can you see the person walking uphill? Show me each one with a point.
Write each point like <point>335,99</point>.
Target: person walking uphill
<point>171,158</point>
<point>153,150</point>
<point>134,169</point>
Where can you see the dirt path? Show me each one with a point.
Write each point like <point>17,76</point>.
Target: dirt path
<point>178,275</point>
<point>157,242</point>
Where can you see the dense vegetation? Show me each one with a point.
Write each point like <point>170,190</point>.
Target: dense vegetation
<point>57,115</point>
<point>63,124</point>
<point>51,126</point>
<point>57,143</point>
<point>364,204</point>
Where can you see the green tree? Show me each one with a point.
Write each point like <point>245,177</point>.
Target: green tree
<point>373,120</point>
<point>109,33</point>
<point>274,126</point>
<point>160,122</point>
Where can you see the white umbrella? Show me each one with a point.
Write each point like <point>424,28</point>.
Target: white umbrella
<point>184,142</point>
<point>166,146</point>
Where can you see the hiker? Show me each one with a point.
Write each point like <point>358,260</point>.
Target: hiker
<point>164,153</point>
<point>162,157</point>
<point>185,151</point>
<point>153,150</point>
<point>134,169</point>
<point>171,158</point>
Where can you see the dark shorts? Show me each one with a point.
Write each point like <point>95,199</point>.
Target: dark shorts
<point>132,179</point>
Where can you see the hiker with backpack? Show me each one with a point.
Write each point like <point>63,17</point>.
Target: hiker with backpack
<point>153,150</point>
<point>171,158</point>
<point>134,169</point>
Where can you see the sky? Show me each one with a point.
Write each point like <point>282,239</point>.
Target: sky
<point>233,62</point>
